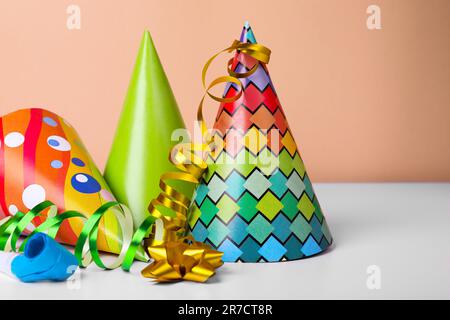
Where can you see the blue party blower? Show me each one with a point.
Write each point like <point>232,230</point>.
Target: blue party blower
<point>44,259</point>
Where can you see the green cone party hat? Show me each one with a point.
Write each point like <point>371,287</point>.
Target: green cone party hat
<point>140,150</point>
<point>256,201</point>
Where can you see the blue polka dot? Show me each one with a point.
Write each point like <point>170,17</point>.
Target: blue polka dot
<point>78,162</point>
<point>53,142</point>
<point>56,164</point>
<point>50,121</point>
<point>85,183</point>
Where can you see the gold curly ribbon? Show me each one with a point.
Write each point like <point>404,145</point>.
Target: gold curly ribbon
<point>166,241</point>
<point>185,259</point>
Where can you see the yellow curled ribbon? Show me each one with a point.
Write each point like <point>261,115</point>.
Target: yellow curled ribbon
<point>184,259</point>
<point>166,241</point>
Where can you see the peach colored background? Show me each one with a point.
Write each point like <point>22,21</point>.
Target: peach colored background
<point>363,105</point>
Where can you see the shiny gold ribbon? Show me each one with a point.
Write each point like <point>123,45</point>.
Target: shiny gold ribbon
<point>184,259</point>
<point>170,208</point>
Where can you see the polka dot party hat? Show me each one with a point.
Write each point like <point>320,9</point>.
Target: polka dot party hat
<point>256,202</point>
<point>43,158</point>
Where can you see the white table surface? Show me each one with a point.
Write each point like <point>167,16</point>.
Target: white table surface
<point>404,229</point>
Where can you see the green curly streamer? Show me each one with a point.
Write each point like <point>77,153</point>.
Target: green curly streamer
<point>86,249</point>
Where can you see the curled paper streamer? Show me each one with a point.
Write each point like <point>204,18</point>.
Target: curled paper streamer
<point>184,259</point>
<point>86,249</point>
<point>171,206</point>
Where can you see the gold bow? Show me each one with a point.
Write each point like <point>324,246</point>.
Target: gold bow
<point>184,259</point>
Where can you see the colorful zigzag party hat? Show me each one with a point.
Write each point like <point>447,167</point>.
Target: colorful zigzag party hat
<point>139,154</point>
<point>256,202</point>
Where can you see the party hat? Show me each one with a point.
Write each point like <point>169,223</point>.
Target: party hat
<point>139,154</point>
<point>43,158</point>
<point>256,202</point>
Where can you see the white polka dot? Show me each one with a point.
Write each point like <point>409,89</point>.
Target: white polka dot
<point>33,195</point>
<point>12,209</point>
<point>58,143</point>
<point>14,139</point>
<point>81,178</point>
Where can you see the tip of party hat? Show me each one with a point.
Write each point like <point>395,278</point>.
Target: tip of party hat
<point>146,34</point>
<point>247,34</point>
<point>147,42</point>
<point>148,55</point>
<point>148,63</point>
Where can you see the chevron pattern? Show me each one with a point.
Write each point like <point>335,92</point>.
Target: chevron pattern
<point>256,202</point>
